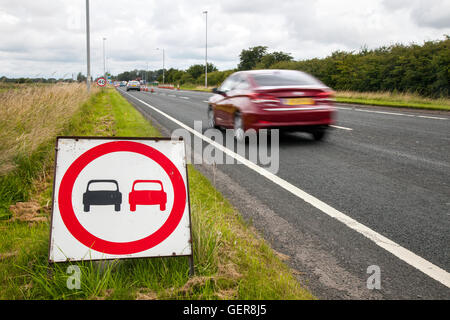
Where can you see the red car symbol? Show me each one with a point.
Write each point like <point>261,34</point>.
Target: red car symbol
<point>147,197</point>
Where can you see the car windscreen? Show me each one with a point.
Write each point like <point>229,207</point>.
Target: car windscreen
<point>285,78</point>
<point>102,186</point>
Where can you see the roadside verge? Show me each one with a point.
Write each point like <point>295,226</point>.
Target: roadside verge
<point>231,260</point>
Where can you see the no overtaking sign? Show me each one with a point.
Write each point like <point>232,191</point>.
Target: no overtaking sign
<point>119,198</point>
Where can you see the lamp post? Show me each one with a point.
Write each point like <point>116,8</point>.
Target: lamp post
<point>206,50</point>
<point>88,49</point>
<point>163,61</point>
<point>104,59</point>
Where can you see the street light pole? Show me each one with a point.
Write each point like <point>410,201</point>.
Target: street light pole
<point>88,48</point>
<point>104,59</point>
<point>206,50</point>
<point>163,62</point>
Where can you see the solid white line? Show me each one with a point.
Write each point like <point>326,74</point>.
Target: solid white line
<point>343,128</point>
<point>404,254</point>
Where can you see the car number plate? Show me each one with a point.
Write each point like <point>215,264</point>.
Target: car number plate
<point>298,101</point>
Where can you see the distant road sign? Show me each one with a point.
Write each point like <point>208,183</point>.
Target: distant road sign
<point>119,198</point>
<point>101,82</point>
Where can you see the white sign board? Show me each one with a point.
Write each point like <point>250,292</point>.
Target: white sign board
<point>119,198</point>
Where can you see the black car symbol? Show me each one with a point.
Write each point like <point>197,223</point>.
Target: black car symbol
<point>102,197</point>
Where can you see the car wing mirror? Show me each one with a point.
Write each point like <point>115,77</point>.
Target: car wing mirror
<point>217,91</point>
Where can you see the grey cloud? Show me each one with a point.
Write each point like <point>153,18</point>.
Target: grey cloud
<point>43,35</point>
<point>434,14</point>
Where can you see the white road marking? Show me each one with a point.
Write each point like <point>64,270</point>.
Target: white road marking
<point>403,254</point>
<point>392,113</point>
<point>206,101</point>
<point>187,98</point>
<point>172,95</point>
<point>429,117</point>
<point>343,128</point>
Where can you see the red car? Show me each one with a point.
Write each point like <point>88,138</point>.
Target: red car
<point>274,99</point>
<point>147,197</point>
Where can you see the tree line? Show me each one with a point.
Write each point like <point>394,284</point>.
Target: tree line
<point>422,69</point>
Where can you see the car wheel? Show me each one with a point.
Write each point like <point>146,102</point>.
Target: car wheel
<point>132,207</point>
<point>86,208</point>
<point>211,119</point>
<point>239,133</point>
<point>117,207</point>
<point>319,134</point>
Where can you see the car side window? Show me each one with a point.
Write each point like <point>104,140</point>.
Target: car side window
<point>229,83</point>
<point>242,84</point>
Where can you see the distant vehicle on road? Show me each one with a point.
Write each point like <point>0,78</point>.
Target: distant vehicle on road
<point>102,197</point>
<point>288,100</point>
<point>123,83</point>
<point>147,197</point>
<point>133,85</point>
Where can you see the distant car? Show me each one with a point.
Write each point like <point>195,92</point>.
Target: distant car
<point>123,83</point>
<point>133,85</point>
<point>102,197</point>
<point>147,197</point>
<point>288,100</point>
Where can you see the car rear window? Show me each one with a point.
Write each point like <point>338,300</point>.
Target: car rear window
<point>285,78</point>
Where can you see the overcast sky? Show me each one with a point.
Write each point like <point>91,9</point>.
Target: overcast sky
<point>46,38</point>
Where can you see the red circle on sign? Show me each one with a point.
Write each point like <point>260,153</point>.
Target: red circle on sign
<point>109,247</point>
<point>101,82</point>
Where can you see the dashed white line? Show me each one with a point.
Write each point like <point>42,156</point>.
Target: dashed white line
<point>343,128</point>
<point>429,117</point>
<point>400,252</point>
<point>392,113</point>
<point>187,98</point>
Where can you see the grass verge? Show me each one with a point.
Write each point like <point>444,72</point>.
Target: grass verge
<point>389,99</point>
<point>231,261</point>
<point>196,88</point>
<point>386,99</point>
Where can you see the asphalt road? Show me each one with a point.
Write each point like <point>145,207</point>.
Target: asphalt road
<point>386,169</point>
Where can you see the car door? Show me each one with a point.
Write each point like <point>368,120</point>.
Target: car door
<point>223,104</point>
<point>236,97</point>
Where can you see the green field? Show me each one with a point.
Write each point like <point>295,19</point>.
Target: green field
<point>231,260</point>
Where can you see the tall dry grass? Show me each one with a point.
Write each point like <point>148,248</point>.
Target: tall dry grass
<point>35,114</point>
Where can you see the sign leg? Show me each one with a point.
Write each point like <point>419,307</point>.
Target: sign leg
<point>191,266</point>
